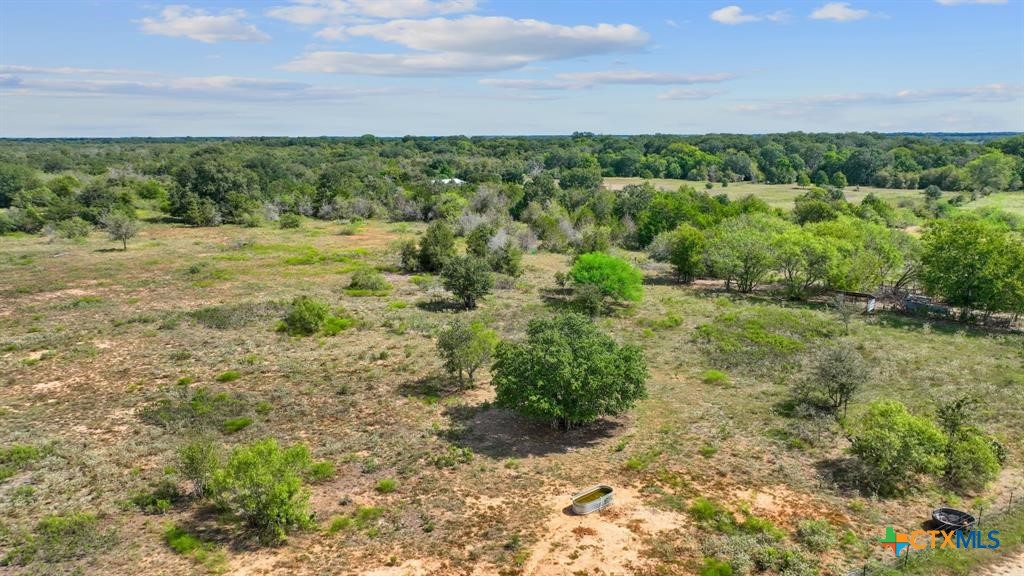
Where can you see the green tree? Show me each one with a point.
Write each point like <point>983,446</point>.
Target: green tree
<point>198,461</point>
<point>15,178</point>
<point>613,277</point>
<point>990,172</point>
<point>742,249</point>
<point>974,264</point>
<point>895,446</point>
<point>261,483</point>
<point>839,180</point>
<point>686,252</point>
<point>121,227</point>
<point>973,459</point>
<point>803,259</point>
<point>436,247</point>
<point>465,347</point>
<point>568,372</point>
<point>468,277</point>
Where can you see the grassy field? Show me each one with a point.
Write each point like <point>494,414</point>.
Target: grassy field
<point>1012,202</point>
<point>777,195</point>
<point>91,337</point>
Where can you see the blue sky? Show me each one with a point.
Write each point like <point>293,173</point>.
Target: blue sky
<point>349,67</point>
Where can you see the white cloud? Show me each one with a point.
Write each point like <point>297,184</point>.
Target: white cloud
<point>838,12</point>
<point>467,45</point>
<point>231,88</point>
<point>585,80</point>
<point>15,69</point>
<point>958,2</point>
<point>310,12</point>
<point>688,94</point>
<point>996,92</point>
<point>732,15</point>
<point>197,24</point>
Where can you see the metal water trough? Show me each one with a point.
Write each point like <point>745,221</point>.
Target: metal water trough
<point>592,499</point>
<point>949,519</point>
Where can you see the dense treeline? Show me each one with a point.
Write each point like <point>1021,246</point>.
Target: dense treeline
<point>514,194</point>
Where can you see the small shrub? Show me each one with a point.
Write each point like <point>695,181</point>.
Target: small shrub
<point>321,471</point>
<point>159,500</point>
<point>711,514</point>
<point>714,377</point>
<point>205,553</point>
<point>436,247</point>
<point>290,220</point>
<point>336,324</point>
<point>837,375</point>
<point>120,227</point>
<point>261,483</point>
<point>465,347</point>
<point>367,282</point>
<point>305,317</point>
<point>238,424</point>
<point>816,535</point>
<point>197,462</point>
<point>972,461</point>
<point>228,376</point>
<point>386,485</point>
<point>233,316</point>
<point>715,567</point>
<point>453,456</point>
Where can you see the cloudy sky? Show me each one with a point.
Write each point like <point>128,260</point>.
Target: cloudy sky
<point>349,67</point>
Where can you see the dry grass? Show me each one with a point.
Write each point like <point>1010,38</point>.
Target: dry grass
<point>89,338</point>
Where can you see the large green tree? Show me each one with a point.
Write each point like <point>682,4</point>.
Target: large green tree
<point>741,250</point>
<point>568,372</point>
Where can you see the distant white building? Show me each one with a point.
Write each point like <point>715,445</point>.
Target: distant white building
<point>449,181</point>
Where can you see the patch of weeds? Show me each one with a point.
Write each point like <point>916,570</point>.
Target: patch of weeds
<point>398,305</point>
<point>83,302</point>
<point>203,274</point>
<point>232,425</point>
<point>642,460</point>
<point>309,256</point>
<point>263,408</point>
<point>228,376</point>
<point>159,500</point>
<point>670,320</point>
<point>453,456</point>
<point>763,336</point>
<point>712,515</point>
<point>715,567</point>
<point>339,523</point>
<point>816,535</point>
<point>714,377</point>
<point>16,458</point>
<point>708,450</point>
<point>207,554</point>
<point>232,316</point>
<point>386,485</point>
<point>336,324</point>
<point>321,471</point>
<point>57,538</point>
<point>183,407</point>
<point>185,380</point>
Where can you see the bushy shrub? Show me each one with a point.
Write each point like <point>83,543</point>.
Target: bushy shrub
<point>121,227</point>
<point>686,252</point>
<point>613,277</point>
<point>465,347</point>
<point>306,316</point>
<point>816,535</point>
<point>838,373</point>
<point>895,446</point>
<point>436,247</point>
<point>368,281</point>
<point>74,228</point>
<point>507,259</point>
<point>290,220</point>
<point>468,277</point>
<point>261,483</point>
<point>972,461</point>
<point>568,372</point>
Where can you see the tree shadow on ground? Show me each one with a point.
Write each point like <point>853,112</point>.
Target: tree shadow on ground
<point>845,473</point>
<point>501,433</point>
<point>209,524</point>
<point>432,388</point>
<point>662,279</point>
